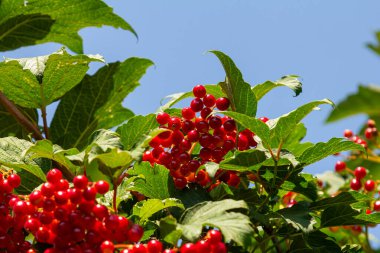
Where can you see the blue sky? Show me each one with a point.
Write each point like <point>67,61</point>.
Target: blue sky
<point>321,41</point>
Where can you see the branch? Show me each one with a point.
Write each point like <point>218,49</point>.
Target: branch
<point>46,127</point>
<point>20,117</point>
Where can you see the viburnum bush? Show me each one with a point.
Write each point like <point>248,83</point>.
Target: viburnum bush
<point>209,177</point>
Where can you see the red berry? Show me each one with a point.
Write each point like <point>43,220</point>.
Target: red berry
<point>80,182</point>
<point>102,187</point>
<point>180,182</point>
<point>209,100</point>
<point>348,133</point>
<point>154,246</point>
<point>188,113</point>
<point>188,248</point>
<point>222,103</point>
<point>196,104</point>
<point>203,246</point>
<point>360,172</point>
<point>371,123</point>
<point>14,180</point>
<point>376,205</point>
<point>107,247</point>
<point>368,133</point>
<point>215,122</point>
<point>369,185</point>
<point>355,184</point>
<point>340,166</point>
<point>135,233</point>
<point>205,112</point>
<point>199,91</point>
<point>174,123</point>
<point>53,176</point>
<point>47,189</point>
<point>214,236</point>
<point>264,119</point>
<point>162,118</point>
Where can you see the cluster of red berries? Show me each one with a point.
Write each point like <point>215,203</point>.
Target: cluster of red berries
<point>370,133</point>
<point>359,174</point>
<point>12,235</point>
<point>216,136</point>
<point>63,218</point>
<point>211,243</point>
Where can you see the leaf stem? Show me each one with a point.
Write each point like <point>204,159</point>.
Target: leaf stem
<point>114,197</point>
<point>20,117</point>
<point>46,127</point>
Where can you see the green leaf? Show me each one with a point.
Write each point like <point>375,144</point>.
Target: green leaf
<point>298,216</point>
<point>136,129</point>
<point>235,226</point>
<point>340,215</point>
<point>243,160</point>
<point>211,168</point>
<point>255,125</point>
<point>242,98</point>
<point>283,126</point>
<point>314,242</point>
<point>40,21</point>
<point>173,99</point>
<point>145,209</point>
<point>293,142</point>
<point>115,158</point>
<point>373,47</point>
<point>344,198</point>
<point>169,230</point>
<point>221,191</point>
<point>100,96</point>
<point>58,73</point>
<point>301,183</point>
<point>9,126</point>
<point>46,149</point>
<point>153,182</point>
<point>365,101</point>
<point>290,81</point>
<point>324,149</point>
<point>24,30</point>
<point>11,150</point>
<point>30,170</point>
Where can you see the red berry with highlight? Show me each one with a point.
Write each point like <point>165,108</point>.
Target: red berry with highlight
<point>222,103</point>
<point>199,91</point>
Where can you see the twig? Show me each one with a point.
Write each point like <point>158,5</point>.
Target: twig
<point>20,117</point>
<point>114,197</point>
<point>46,127</point>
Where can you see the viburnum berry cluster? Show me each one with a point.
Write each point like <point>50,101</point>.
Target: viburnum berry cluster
<point>199,125</point>
<point>61,218</point>
<point>211,243</point>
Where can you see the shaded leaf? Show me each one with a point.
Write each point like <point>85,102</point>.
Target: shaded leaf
<point>344,198</point>
<point>314,242</point>
<point>24,30</point>
<point>9,126</point>
<point>298,216</point>
<point>235,226</point>
<point>365,101</point>
<point>290,81</point>
<point>96,102</point>
<point>301,183</point>
<point>39,21</point>
<point>340,215</point>
<point>169,230</point>
<point>242,98</point>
